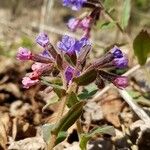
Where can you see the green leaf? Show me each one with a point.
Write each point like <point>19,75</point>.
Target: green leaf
<point>141,45</point>
<point>53,80</point>
<point>86,78</point>
<point>57,89</point>
<point>101,130</point>
<point>72,99</point>
<point>62,135</point>
<point>125,13</point>
<point>71,59</point>
<point>110,130</point>
<point>53,100</point>
<point>88,92</point>
<point>83,141</point>
<point>47,128</point>
<point>69,118</point>
<point>106,25</point>
<point>108,4</point>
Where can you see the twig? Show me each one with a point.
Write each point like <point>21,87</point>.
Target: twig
<point>43,15</point>
<point>50,5</point>
<point>139,111</point>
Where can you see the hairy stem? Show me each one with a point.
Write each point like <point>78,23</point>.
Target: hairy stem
<point>60,113</point>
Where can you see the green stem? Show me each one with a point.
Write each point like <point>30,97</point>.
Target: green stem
<point>79,128</point>
<point>51,144</point>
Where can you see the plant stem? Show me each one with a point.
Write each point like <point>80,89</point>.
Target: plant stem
<point>79,128</point>
<point>60,113</point>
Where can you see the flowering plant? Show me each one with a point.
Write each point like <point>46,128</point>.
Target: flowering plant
<point>69,64</point>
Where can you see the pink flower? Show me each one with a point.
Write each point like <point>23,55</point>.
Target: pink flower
<point>85,23</point>
<point>40,67</point>
<point>34,75</point>
<point>27,82</point>
<point>121,82</point>
<point>24,54</point>
<point>73,24</point>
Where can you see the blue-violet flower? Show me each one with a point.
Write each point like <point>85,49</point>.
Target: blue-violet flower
<point>74,4</point>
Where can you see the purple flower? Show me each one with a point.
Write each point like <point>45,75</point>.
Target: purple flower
<point>121,62</point>
<point>42,39</point>
<point>121,82</point>
<point>71,45</point>
<point>74,4</point>
<point>117,53</point>
<point>73,24</point>
<point>24,54</point>
<point>69,74</point>
<point>82,42</point>
<point>67,44</point>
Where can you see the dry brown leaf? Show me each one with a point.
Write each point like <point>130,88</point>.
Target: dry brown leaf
<point>111,108</point>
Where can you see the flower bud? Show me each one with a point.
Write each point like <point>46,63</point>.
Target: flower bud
<point>27,82</point>
<point>42,39</point>
<point>121,62</point>
<point>121,82</point>
<point>117,53</point>
<point>73,24</point>
<point>24,54</point>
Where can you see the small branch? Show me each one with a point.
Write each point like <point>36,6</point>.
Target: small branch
<point>139,111</point>
<point>43,15</point>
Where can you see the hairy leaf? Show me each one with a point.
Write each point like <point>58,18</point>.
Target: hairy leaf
<point>69,118</point>
<point>101,130</point>
<point>86,78</point>
<point>141,46</point>
<point>125,13</point>
<point>47,128</point>
<point>72,99</point>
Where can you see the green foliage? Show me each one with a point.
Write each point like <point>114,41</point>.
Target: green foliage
<point>141,46</point>
<point>108,5</point>
<point>52,101</point>
<point>86,78</point>
<point>101,130</point>
<point>105,25</point>
<point>26,42</point>
<point>88,92</point>
<point>69,118</point>
<point>47,128</point>
<point>125,14</point>
<point>57,89</point>
<point>72,99</point>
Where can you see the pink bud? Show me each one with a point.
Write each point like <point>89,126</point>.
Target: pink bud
<point>24,54</point>
<point>40,67</point>
<point>121,82</point>
<point>85,23</point>
<point>73,24</point>
<point>27,82</point>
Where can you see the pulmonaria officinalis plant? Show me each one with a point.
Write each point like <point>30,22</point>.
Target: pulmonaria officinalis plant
<point>67,62</point>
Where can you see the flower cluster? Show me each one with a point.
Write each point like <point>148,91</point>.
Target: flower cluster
<point>70,58</point>
<point>84,22</point>
<point>45,61</point>
<point>76,50</point>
